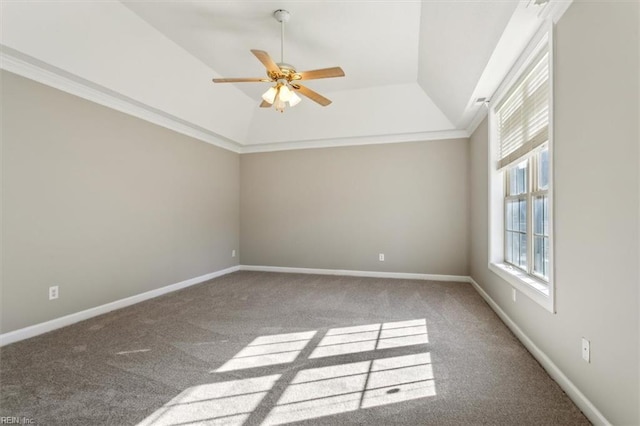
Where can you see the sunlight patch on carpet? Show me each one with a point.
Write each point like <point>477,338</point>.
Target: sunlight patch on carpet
<point>304,393</point>
<point>324,391</point>
<point>348,340</point>
<point>269,350</point>
<point>228,403</point>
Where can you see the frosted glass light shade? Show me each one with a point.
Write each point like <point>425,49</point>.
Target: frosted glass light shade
<point>294,99</point>
<point>270,95</point>
<point>279,95</point>
<point>285,93</point>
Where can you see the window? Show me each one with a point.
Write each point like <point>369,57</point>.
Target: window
<point>521,175</point>
<point>527,195</point>
<point>516,215</point>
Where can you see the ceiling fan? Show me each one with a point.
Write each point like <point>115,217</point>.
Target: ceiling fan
<point>285,76</point>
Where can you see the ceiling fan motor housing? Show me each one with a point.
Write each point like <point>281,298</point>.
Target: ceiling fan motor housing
<point>288,71</point>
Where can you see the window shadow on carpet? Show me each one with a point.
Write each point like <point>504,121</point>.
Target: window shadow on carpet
<point>308,392</point>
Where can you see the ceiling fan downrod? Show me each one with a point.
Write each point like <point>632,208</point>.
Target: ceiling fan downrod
<point>283,17</point>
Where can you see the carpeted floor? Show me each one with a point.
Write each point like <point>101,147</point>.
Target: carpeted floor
<point>265,348</point>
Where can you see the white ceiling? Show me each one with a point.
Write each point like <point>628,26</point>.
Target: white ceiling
<point>412,67</point>
<point>376,43</point>
<point>456,42</point>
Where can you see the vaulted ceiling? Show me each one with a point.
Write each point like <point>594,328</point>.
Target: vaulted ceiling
<point>413,68</point>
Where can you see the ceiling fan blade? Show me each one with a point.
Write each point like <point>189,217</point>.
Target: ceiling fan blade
<point>322,73</point>
<point>314,96</point>
<point>239,80</point>
<point>265,104</point>
<point>266,60</point>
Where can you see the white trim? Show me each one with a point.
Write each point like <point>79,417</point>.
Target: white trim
<point>34,69</point>
<point>587,407</point>
<point>555,9</point>
<point>352,273</point>
<point>525,283</point>
<point>26,66</point>
<point>356,140</point>
<point>477,119</point>
<point>544,34</point>
<point>45,327</point>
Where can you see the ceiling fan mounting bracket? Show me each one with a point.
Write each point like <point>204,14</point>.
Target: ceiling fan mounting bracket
<point>282,15</point>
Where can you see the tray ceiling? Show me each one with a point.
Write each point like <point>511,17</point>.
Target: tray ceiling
<point>412,68</point>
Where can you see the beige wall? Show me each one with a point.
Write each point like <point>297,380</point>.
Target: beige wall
<point>108,206</point>
<point>104,205</point>
<point>337,208</point>
<point>596,211</point>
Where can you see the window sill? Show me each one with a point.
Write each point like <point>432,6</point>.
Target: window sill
<point>537,290</point>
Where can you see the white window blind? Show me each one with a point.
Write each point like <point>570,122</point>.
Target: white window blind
<point>523,115</point>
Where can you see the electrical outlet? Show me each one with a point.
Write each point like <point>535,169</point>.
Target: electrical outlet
<point>233,253</point>
<point>381,257</point>
<point>586,350</point>
<point>513,294</point>
<point>53,292</point>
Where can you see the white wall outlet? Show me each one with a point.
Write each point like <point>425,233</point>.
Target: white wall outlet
<point>586,350</point>
<point>513,294</point>
<point>233,253</point>
<point>381,257</point>
<point>53,292</point>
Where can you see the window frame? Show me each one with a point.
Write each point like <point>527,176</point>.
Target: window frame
<point>536,192</point>
<point>522,196</point>
<point>532,191</point>
<point>526,282</point>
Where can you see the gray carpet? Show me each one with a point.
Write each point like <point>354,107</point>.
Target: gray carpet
<point>264,348</point>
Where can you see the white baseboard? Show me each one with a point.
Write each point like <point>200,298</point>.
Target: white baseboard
<point>351,273</point>
<point>587,407</point>
<point>45,327</point>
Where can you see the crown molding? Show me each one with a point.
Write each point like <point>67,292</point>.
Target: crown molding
<point>355,141</point>
<point>34,69</point>
<point>555,9</point>
<point>477,119</point>
<point>552,11</point>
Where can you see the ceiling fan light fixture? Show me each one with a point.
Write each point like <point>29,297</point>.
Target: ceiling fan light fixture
<point>270,95</point>
<point>279,104</point>
<point>294,99</point>
<point>279,95</point>
<point>285,93</point>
